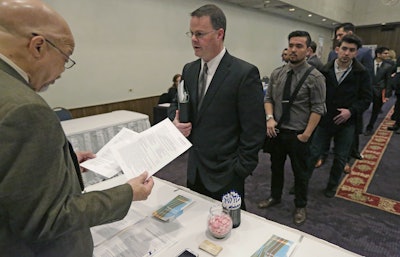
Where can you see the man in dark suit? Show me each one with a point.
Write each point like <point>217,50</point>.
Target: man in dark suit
<point>381,85</point>
<point>312,57</point>
<point>43,211</point>
<point>227,119</point>
<point>396,86</point>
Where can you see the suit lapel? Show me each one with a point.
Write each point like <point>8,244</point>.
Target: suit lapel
<point>192,83</point>
<point>333,75</point>
<point>382,71</point>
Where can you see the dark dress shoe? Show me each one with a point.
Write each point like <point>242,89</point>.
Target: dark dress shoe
<point>395,127</point>
<point>357,155</point>
<point>299,216</point>
<point>368,132</point>
<point>330,192</point>
<point>268,203</point>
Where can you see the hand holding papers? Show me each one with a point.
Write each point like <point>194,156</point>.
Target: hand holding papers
<point>134,153</point>
<point>152,150</point>
<point>183,103</point>
<point>105,163</point>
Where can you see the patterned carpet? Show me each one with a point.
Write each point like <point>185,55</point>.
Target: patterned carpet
<point>357,227</point>
<point>355,185</point>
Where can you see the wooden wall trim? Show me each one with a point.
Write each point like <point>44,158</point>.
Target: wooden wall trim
<point>381,36</point>
<point>143,105</point>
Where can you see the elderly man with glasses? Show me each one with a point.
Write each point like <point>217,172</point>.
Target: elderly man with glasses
<point>43,211</point>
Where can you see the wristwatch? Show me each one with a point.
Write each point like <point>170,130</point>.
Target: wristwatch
<point>269,116</point>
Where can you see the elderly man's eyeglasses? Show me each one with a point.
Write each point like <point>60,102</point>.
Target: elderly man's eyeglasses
<point>197,34</point>
<point>69,63</point>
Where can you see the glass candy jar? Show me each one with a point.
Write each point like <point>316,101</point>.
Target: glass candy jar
<point>219,222</point>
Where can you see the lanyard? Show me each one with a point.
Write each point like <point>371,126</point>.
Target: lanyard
<point>344,75</point>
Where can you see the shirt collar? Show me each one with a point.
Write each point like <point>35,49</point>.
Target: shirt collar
<point>213,63</point>
<point>337,68</point>
<point>298,67</point>
<point>376,62</point>
<point>15,67</point>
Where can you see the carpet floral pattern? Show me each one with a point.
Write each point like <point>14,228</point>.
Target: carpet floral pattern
<point>355,185</point>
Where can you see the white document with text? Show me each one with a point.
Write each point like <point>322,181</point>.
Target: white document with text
<point>105,163</point>
<point>151,150</point>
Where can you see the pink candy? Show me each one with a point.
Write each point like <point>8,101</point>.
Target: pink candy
<point>220,225</point>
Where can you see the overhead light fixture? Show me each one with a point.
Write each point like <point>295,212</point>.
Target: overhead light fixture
<point>310,15</point>
<point>292,9</point>
<point>266,3</point>
<point>390,2</point>
<point>323,19</point>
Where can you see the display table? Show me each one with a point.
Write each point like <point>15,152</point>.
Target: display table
<point>93,132</point>
<point>189,229</point>
<point>160,112</point>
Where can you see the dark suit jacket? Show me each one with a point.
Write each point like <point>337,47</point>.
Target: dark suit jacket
<point>316,62</point>
<point>396,80</point>
<point>42,209</point>
<point>354,93</point>
<point>383,80</point>
<point>229,129</point>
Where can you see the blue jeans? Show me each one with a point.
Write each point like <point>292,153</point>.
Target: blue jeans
<point>343,138</point>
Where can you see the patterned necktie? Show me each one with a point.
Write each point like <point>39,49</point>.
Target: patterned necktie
<point>286,96</point>
<point>202,84</point>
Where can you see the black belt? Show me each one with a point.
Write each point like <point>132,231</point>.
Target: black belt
<point>290,131</point>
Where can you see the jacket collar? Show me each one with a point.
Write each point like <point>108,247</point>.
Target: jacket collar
<point>11,71</point>
<point>356,66</point>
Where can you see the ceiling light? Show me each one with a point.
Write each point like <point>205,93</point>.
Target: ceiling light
<point>292,9</point>
<point>323,19</point>
<point>310,15</point>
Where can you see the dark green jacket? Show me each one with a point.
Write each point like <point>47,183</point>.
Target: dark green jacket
<point>42,209</point>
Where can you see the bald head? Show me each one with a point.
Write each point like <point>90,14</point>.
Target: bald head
<point>22,17</point>
<point>20,21</point>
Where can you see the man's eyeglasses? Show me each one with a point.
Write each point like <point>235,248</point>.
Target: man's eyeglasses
<point>197,34</point>
<point>69,63</point>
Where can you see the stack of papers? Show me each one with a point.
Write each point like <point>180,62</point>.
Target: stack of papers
<point>137,237</point>
<point>173,208</point>
<point>134,153</point>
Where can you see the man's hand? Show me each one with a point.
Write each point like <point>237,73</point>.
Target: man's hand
<point>184,128</point>
<point>342,117</point>
<point>141,187</point>
<point>83,156</point>
<point>303,138</point>
<point>271,131</point>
